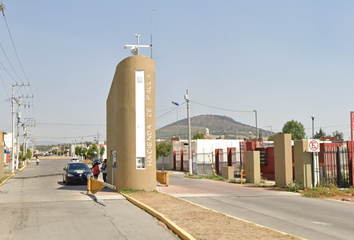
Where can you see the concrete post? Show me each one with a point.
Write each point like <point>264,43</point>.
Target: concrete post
<point>253,166</point>
<point>303,163</point>
<point>283,166</point>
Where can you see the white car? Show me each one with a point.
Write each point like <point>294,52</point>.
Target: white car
<point>75,159</point>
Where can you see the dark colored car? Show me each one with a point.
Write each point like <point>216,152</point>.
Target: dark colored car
<point>76,172</point>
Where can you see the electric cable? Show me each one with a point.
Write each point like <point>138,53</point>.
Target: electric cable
<point>224,109</point>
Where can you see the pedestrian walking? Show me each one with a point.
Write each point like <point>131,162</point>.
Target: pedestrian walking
<point>104,170</point>
<point>96,170</point>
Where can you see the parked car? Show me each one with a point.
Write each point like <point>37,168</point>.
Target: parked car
<point>76,172</point>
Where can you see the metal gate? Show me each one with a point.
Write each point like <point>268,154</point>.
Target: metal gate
<point>334,167</point>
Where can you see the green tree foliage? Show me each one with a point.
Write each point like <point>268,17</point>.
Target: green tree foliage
<point>295,128</point>
<point>84,152</point>
<point>93,151</point>
<point>78,150</point>
<point>163,150</point>
<point>29,154</point>
<point>198,135</point>
<point>271,137</point>
<point>338,134</point>
<point>102,150</point>
<point>319,134</point>
<point>322,134</point>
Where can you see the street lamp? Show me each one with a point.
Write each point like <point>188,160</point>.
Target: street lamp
<point>313,126</point>
<point>186,97</point>
<point>177,104</point>
<point>255,112</point>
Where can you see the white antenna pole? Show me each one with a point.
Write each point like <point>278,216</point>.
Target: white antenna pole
<point>137,46</point>
<point>152,20</point>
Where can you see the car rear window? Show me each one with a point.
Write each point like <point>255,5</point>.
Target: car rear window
<point>78,166</point>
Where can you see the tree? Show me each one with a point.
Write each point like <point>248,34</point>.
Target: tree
<point>78,150</point>
<point>295,128</point>
<point>163,150</point>
<point>338,134</point>
<point>84,152</point>
<point>198,135</point>
<point>29,154</point>
<point>93,151</point>
<point>319,134</point>
<point>271,137</point>
<point>102,150</point>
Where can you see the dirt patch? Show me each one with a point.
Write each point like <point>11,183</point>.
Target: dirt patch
<point>203,223</point>
<point>344,198</point>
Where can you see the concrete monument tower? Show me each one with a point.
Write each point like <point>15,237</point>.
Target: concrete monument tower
<point>131,140</point>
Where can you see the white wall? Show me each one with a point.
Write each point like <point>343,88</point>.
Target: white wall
<point>207,146</point>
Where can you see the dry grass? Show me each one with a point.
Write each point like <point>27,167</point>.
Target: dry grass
<point>203,223</point>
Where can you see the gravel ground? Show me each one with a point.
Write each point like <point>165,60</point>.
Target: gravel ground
<point>203,223</point>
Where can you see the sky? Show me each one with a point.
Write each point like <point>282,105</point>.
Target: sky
<point>288,60</point>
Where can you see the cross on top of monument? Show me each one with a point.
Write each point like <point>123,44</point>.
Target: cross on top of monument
<point>135,48</point>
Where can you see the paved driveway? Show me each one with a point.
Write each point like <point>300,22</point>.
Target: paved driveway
<point>284,211</point>
<point>35,204</point>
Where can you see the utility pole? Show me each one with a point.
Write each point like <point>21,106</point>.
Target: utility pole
<point>18,101</point>
<point>82,157</point>
<point>18,132</point>
<point>13,130</point>
<point>98,145</point>
<point>25,133</point>
<point>64,148</point>
<point>186,97</point>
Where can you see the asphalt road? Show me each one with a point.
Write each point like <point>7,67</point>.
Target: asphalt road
<point>283,211</point>
<point>35,204</point>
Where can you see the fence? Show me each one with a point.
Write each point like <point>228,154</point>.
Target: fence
<point>207,163</point>
<point>334,167</point>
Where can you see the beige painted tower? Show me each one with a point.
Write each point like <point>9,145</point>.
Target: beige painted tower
<point>303,163</point>
<point>283,166</point>
<point>131,125</point>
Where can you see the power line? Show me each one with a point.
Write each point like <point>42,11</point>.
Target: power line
<point>8,96</point>
<point>170,111</point>
<point>13,44</point>
<point>224,109</point>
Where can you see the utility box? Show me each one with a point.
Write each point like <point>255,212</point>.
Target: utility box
<point>228,173</point>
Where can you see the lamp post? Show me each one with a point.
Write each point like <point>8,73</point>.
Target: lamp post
<point>177,104</point>
<point>313,126</point>
<point>255,112</point>
<point>186,97</point>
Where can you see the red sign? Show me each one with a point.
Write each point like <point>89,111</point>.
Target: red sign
<point>314,146</point>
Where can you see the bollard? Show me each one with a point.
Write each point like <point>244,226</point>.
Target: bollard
<point>94,186</point>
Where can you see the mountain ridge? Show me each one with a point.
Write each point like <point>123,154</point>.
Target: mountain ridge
<point>217,125</point>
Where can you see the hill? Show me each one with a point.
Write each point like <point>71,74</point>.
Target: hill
<point>217,125</point>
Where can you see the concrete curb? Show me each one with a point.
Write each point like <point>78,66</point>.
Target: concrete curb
<point>10,176</point>
<point>174,227</point>
<point>13,174</point>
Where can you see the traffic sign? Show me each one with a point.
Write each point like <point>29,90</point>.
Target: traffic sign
<point>314,145</point>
